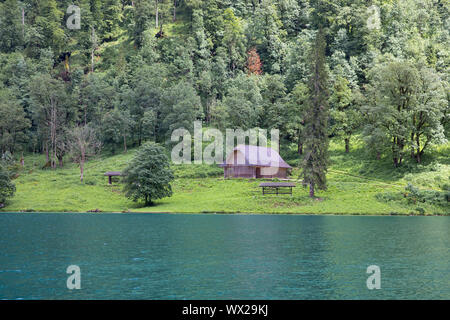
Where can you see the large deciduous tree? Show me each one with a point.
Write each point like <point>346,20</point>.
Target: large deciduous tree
<point>406,108</point>
<point>345,112</point>
<point>148,175</point>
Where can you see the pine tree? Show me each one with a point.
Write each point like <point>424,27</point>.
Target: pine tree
<point>316,138</point>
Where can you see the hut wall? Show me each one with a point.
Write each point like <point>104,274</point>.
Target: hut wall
<point>245,172</point>
<point>273,172</point>
<point>239,172</point>
<point>269,171</point>
<point>253,172</point>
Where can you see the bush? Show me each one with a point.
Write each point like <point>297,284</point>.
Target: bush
<point>420,211</point>
<point>415,195</point>
<point>388,196</point>
<point>7,188</point>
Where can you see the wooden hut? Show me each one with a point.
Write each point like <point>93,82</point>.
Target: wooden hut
<point>246,161</point>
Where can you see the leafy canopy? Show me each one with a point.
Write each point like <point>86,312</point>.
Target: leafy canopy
<point>148,175</point>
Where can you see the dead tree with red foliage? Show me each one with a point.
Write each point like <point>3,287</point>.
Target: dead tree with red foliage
<point>254,65</point>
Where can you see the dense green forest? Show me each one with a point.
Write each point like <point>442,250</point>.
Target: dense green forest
<point>136,70</point>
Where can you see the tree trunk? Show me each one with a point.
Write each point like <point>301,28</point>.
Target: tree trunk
<point>92,60</point>
<point>156,15</point>
<point>311,190</point>
<point>125,143</point>
<point>82,167</point>
<point>347,145</point>
<point>419,153</point>
<point>81,171</point>
<point>174,11</point>
<point>46,153</point>
<point>418,158</point>
<point>140,136</point>
<point>94,45</point>
<point>299,147</point>
<point>23,22</point>
<point>148,200</point>
<point>395,162</point>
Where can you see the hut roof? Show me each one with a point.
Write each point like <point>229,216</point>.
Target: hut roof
<point>260,157</point>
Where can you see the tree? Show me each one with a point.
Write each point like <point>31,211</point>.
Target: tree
<point>268,35</point>
<point>392,88</point>
<point>115,128</point>
<point>181,106</point>
<point>345,113</point>
<point>427,116</point>
<point>148,85</point>
<point>83,143</point>
<point>243,102</point>
<point>273,93</point>
<point>11,34</point>
<point>201,60</point>
<point>233,39</point>
<point>316,133</point>
<point>112,16</point>
<point>143,10</point>
<point>162,10</point>
<point>148,175</point>
<point>47,26</point>
<point>7,188</point>
<point>13,123</point>
<point>408,104</point>
<point>96,98</point>
<point>254,65</point>
<point>295,113</point>
<point>51,106</point>
<point>297,60</point>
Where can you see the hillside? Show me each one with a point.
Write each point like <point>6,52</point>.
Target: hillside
<point>371,76</point>
<point>354,183</point>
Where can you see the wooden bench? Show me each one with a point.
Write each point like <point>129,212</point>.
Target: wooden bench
<point>274,187</point>
<point>112,174</point>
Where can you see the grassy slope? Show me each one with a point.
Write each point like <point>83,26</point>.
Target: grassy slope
<point>353,180</point>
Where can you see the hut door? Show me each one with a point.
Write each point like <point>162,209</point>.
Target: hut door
<point>258,172</point>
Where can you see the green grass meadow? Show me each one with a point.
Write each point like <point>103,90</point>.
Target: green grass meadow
<point>354,180</point>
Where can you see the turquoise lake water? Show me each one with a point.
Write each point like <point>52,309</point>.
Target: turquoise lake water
<point>157,256</point>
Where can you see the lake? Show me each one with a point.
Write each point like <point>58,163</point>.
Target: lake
<point>162,256</point>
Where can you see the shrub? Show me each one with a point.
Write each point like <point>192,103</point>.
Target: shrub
<point>7,188</point>
<point>420,210</point>
<point>414,195</point>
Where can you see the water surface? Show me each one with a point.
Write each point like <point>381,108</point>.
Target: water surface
<point>160,256</point>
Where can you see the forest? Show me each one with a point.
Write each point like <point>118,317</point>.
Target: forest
<point>366,76</point>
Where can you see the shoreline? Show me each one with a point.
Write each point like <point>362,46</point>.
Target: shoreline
<point>237,213</point>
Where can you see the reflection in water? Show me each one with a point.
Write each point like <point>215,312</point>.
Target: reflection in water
<point>151,256</point>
